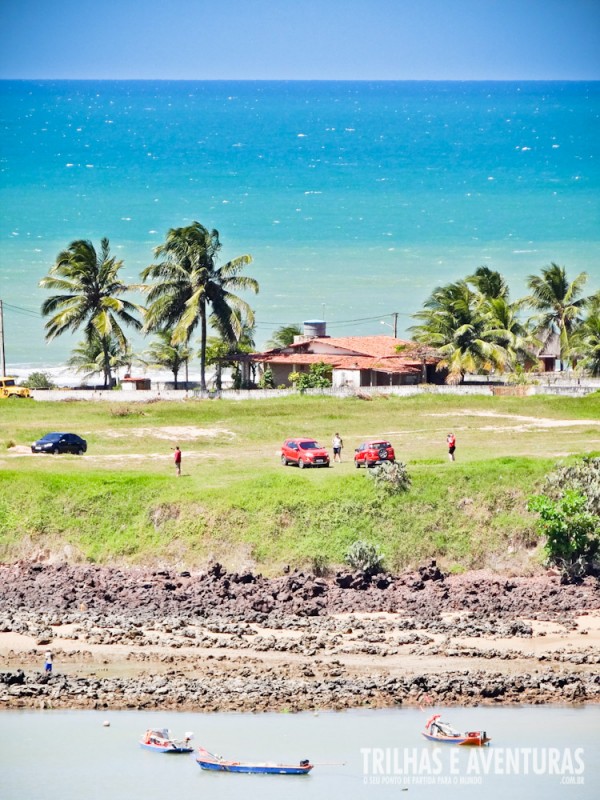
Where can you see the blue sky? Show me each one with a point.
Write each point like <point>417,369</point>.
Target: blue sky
<point>301,39</point>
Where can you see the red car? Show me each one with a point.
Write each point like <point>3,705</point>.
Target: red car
<point>369,454</point>
<point>304,452</point>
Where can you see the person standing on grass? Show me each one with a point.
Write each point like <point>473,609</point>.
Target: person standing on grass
<point>337,445</point>
<point>178,461</point>
<point>451,440</point>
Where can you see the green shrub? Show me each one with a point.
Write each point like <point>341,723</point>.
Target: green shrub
<point>572,533</point>
<point>317,377</point>
<point>365,557</point>
<point>520,377</point>
<point>319,566</point>
<point>391,477</point>
<point>582,477</point>
<point>266,380</point>
<point>39,380</point>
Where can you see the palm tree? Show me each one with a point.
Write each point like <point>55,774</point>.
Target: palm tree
<point>90,296</point>
<point>100,356</point>
<point>170,356</point>
<point>188,281</point>
<point>587,343</point>
<point>454,323</point>
<point>505,327</point>
<point>586,340</point>
<point>489,283</point>
<point>284,336</point>
<point>559,302</point>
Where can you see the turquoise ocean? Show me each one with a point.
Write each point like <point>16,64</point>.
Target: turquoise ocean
<point>355,199</point>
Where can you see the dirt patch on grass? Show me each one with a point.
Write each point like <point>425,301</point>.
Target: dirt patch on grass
<point>524,423</point>
<point>183,433</point>
<point>175,434</point>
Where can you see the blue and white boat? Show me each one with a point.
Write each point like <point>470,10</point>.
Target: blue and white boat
<point>215,763</point>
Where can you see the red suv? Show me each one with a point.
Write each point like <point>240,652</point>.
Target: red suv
<point>304,452</point>
<point>372,453</point>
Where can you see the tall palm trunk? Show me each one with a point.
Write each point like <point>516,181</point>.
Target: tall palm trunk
<point>203,349</point>
<point>107,369</point>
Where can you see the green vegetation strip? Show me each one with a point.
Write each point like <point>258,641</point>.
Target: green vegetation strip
<point>234,502</point>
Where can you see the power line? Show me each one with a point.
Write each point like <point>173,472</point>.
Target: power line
<point>21,310</point>
<point>264,325</point>
<point>334,322</point>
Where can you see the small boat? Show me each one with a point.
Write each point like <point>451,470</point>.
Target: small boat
<point>438,731</point>
<point>160,741</point>
<point>210,761</point>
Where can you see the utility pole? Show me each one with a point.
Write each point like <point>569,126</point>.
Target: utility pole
<point>395,316</point>
<point>2,353</point>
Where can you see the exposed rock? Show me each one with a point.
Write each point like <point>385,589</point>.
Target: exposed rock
<point>240,615</point>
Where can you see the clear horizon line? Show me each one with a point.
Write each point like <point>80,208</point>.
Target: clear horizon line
<point>311,80</point>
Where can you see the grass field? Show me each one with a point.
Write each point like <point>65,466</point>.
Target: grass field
<point>235,502</point>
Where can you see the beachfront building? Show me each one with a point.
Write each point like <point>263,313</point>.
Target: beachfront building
<point>355,361</point>
<point>129,384</point>
<point>549,352</point>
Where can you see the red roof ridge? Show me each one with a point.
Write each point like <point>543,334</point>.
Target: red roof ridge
<point>377,346</point>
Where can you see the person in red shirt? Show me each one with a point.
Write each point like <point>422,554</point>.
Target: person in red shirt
<point>178,461</point>
<point>451,440</point>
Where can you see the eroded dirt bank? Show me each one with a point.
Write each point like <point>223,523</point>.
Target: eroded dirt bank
<point>220,641</point>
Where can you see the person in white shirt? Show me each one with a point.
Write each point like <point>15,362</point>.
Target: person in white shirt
<point>337,445</point>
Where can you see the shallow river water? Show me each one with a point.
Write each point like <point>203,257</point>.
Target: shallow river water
<point>536,751</point>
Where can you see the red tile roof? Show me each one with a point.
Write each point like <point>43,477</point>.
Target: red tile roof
<point>340,362</point>
<point>364,345</point>
<point>362,352</point>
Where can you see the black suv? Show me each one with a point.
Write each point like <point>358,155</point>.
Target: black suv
<point>60,443</point>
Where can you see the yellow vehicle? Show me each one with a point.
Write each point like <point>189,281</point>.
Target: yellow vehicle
<point>8,388</point>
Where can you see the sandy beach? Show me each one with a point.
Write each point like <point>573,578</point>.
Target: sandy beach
<point>217,641</point>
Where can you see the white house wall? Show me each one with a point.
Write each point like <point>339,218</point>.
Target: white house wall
<point>324,348</point>
<point>342,378</point>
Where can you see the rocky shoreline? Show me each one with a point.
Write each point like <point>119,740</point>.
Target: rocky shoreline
<point>216,641</point>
